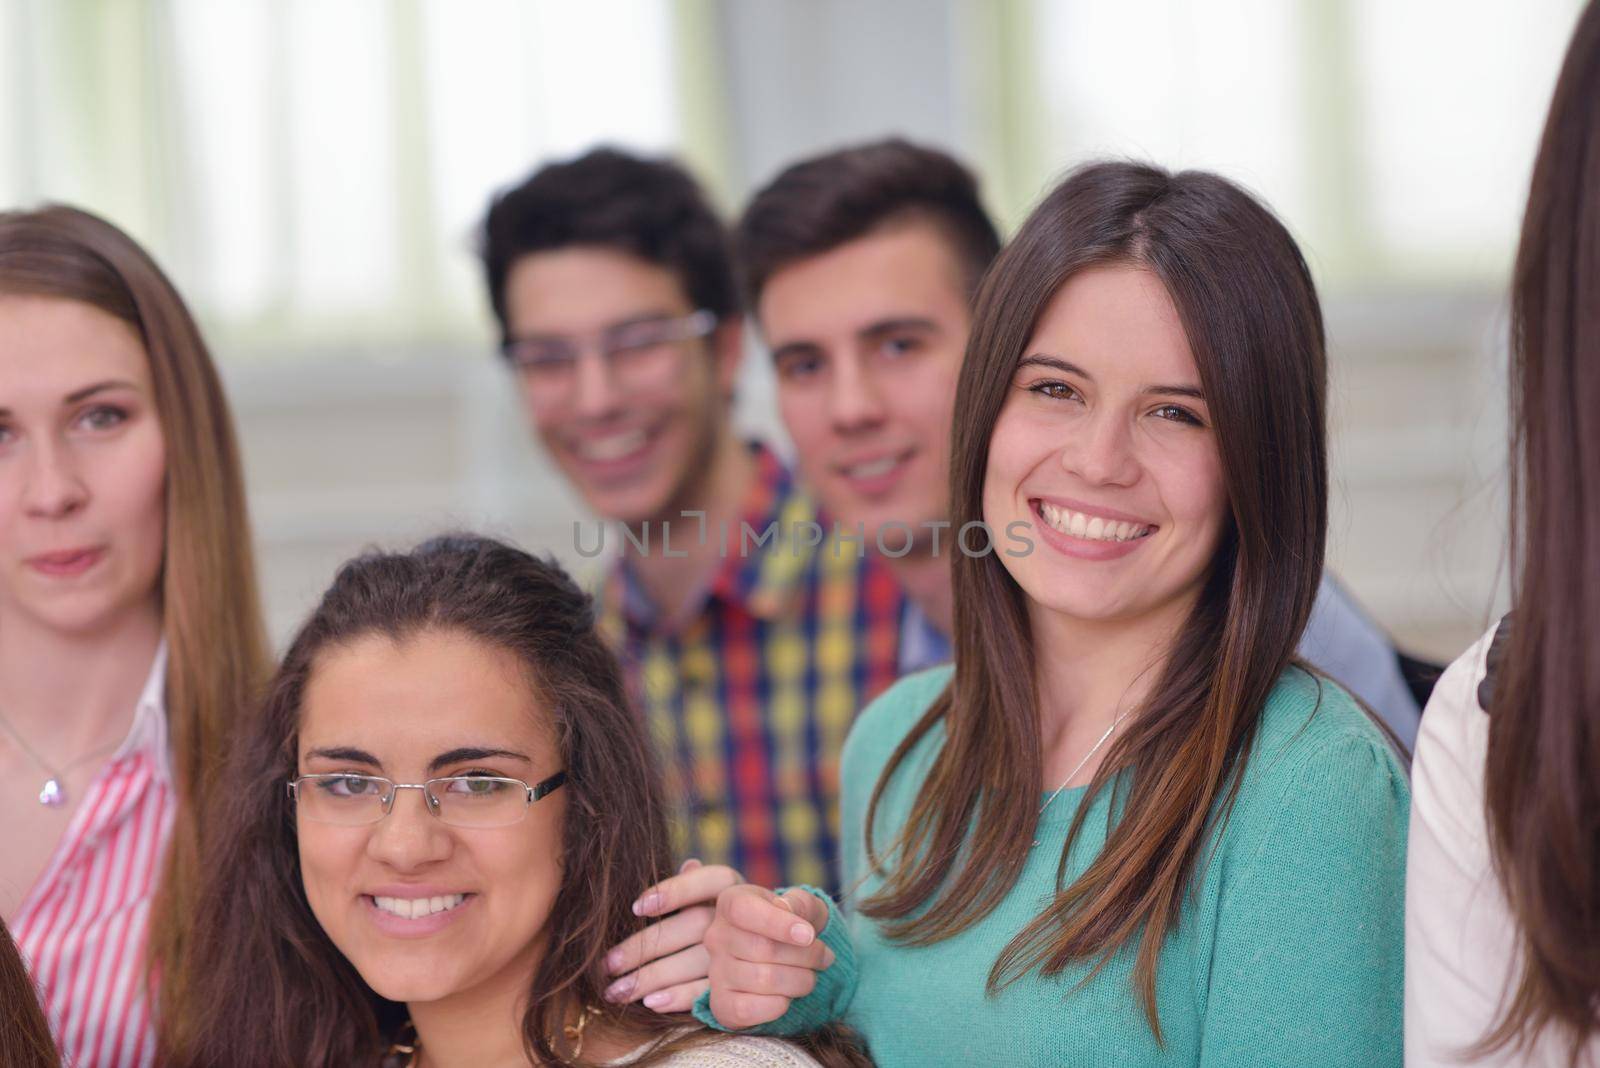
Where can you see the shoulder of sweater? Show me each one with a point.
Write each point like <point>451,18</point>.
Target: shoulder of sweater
<point>1454,707</point>
<point>1312,728</point>
<point>890,717</point>
<point>1307,713</point>
<point>1453,741</point>
<point>751,1051</point>
<point>1321,775</point>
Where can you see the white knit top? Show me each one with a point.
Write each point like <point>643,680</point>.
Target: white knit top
<point>1461,942</point>
<point>733,1051</point>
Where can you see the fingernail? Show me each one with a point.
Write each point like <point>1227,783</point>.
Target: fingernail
<point>619,990</point>
<point>613,962</point>
<point>647,904</point>
<point>658,999</point>
<point>827,957</point>
<point>801,934</point>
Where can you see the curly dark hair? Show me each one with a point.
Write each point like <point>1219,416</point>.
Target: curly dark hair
<point>650,208</point>
<point>279,992</point>
<point>818,204</point>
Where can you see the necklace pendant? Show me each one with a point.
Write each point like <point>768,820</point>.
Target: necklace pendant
<point>52,796</point>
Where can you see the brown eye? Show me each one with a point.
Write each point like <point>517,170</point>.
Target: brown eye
<point>1054,390</point>
<point>1177,414</point>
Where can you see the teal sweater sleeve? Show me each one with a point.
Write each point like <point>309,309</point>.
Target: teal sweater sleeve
<point>1308,962</point>
<point>827,1001</point>
<point>876,733</point>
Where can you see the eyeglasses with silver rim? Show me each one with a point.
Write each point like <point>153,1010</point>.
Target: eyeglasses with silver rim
<point>631,348</point>
<point>468,801</point>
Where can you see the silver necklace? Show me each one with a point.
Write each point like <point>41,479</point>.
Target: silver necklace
<point>1073,774</point>
<point>54,792</point>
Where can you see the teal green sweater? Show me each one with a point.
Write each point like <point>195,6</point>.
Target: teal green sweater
<point>1288,950</point>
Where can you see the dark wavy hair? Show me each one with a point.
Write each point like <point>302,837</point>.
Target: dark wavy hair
<point>649,208</point>
<point>1251,317</point>
<point>279,991</point>
<point>820,203</point>
<point>24,1036</point>
<point>1541,784</point>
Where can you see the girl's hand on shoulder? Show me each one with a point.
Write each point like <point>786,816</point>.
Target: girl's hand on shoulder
<point>764,953</point>
<point>665,965</point>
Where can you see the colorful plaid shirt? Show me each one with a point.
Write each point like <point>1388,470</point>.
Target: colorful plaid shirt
<point>750,701</point>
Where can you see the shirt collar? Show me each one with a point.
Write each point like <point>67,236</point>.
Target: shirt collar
<point>764,576</point>
<point>922,645</point>
<point>148,733</point>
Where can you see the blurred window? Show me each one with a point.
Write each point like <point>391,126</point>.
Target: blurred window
<point>1395,138</point>
<point>315,169</point>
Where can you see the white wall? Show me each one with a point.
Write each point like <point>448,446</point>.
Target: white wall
<point>346,448</point>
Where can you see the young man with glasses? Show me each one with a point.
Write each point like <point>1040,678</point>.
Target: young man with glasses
<point>749,653</point>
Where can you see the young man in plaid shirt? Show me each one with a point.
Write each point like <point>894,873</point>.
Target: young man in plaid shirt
<point>751,632</point>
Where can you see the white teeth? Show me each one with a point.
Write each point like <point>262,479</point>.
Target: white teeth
<point>1089,528</point>
<point>415,908</point>
<point>612,448</point>
<point>873,469</point>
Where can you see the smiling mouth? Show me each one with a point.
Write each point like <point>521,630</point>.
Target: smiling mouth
<point>1090,527</point>
<point>875,468</point>
<point>613,447</point>
<point>416,908</point>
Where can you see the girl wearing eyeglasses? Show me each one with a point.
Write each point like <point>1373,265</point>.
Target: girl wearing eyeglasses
<point>130,631</point>
<point>435,829</point>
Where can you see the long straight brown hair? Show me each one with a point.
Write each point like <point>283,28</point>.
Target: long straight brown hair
<point>24,1035</point>
<point>1250,313</point>
<point>278,991</point>
<point>211,611</point>
<point>1542,779</point>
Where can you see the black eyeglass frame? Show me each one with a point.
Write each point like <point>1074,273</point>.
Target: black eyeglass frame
<point>701,322</point>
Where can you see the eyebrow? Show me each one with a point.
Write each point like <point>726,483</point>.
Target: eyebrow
<point>898,324</point>
<point>99,387</point>
<point>86,392</point>
<point>454,756</point>
<point>871,331</point>
<point>466,753</point>
<point>346,753</point>
<point>642,317</point>
<point>1056,362</point>
<point>795,348</point>
<point>618,324</point>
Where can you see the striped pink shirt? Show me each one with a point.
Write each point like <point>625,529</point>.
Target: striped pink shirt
<point>82,927</point>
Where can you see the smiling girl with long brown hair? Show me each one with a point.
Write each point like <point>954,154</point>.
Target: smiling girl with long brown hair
<point>1128,827</point>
